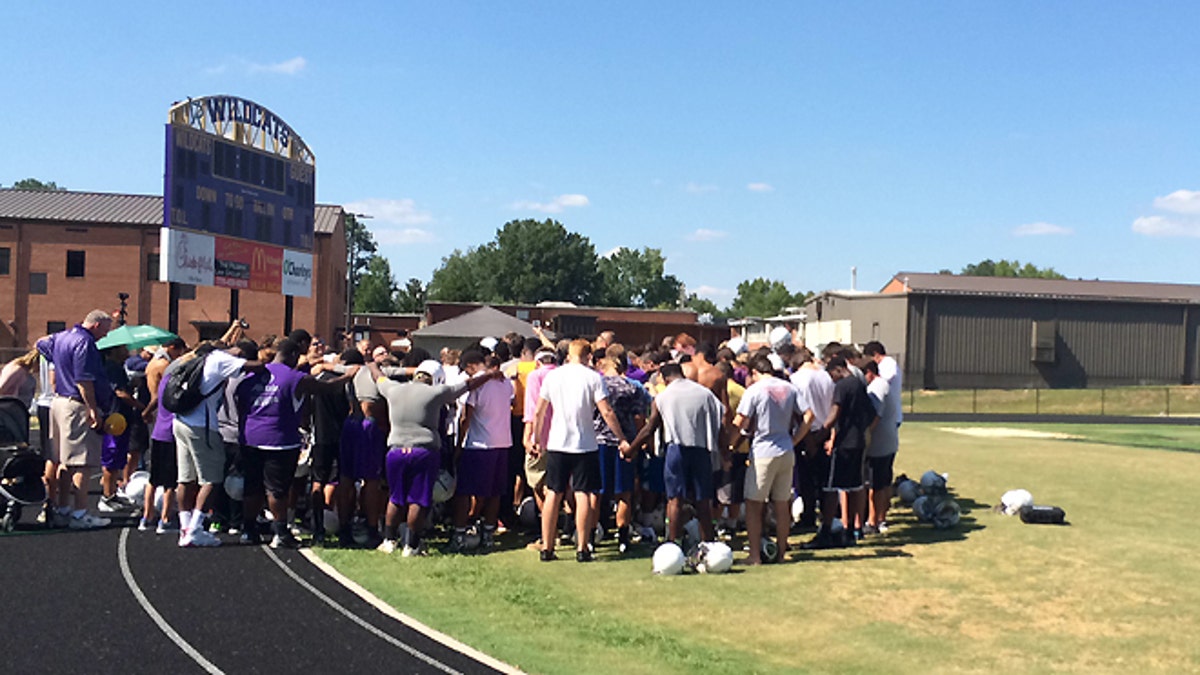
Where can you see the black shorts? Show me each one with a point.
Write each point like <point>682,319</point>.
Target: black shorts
<point>879,471</point>
<point>570,469</point>
<point>731,484</point>
<point>845,470</point>
<point>272,470</point>
<point>324,458</point>
<point>164,467</point>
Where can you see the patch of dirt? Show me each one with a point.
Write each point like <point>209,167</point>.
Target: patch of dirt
<point>1008,432</point>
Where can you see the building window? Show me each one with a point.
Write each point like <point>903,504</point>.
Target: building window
<point>152,267</point>
<point>187,292</point>
<point>76,263</point>
<point>5,260</point>
<point>55,327</point>
<point>37,283</point>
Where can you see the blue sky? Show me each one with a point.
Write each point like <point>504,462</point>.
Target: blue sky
<point>785,140</point>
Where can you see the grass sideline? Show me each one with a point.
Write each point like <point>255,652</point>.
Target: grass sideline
<point>1113,591</point>
<point>1160,401</point>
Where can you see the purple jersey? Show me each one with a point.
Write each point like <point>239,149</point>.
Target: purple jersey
<point>270,408</point>
<point>163,418</point>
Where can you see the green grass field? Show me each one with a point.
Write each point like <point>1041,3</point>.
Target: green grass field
<point>1117,590</point>
<point>1179,401</point>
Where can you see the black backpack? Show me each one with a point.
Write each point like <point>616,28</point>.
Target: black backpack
<point>182,393</point>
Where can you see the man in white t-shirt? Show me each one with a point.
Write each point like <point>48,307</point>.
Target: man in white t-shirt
<point>812,464</point>
<point>575,392</point>
<point>882,445</point>
<point>482,450</point>
<point>199,450</point>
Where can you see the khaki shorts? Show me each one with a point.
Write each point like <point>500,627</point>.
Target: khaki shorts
<point>535,470</point>
<point>200,453</point>
<point>71,433</point>
<point>770,478</point>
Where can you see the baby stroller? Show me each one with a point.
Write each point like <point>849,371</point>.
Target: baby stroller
<point>21,469</point>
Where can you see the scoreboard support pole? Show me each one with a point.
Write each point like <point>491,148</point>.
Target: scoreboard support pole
<point>173,307</point>
<point>288,311</point>
<point>234,311</point>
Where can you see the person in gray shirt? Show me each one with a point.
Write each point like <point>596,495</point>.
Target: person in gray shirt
<point>414,442</point>
<point>690,416</point>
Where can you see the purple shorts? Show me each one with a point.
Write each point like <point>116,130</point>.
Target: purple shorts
<point>411,473</point>
<point>114,452</point>
<point>482,472</point>
<point>363,447</point>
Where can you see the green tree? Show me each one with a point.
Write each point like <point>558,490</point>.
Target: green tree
<point>636,279</point>
<point>701,305</point>
<point>35,184</point>
<point>376,288</point>
<point>411,298</point>
<point>764,297</point>
<point>528,262</point>
<point>1009,268</point>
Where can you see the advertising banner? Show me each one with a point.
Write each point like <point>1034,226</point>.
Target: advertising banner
<point>187,257</point>
<point>297,273</point>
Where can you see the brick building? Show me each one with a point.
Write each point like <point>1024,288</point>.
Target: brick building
<point>65,253</point>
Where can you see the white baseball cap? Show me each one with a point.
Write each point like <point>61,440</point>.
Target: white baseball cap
<point>433,369</point>
<point>737,345</point>
<point>489,343</point>
<point>780,336</point>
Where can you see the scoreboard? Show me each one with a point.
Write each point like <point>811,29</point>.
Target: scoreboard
<point>239,198</point>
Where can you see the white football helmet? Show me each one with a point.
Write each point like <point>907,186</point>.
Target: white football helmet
<point>668,559</point>
<point>1015,501</point>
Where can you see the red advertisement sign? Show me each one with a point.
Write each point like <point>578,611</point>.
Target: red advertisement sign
<point>248,265</point>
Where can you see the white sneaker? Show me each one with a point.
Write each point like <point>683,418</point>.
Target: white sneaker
<point>88,522</point>
<point>388,546</point>
<point>410,552</point>
<point>164,527</point>
<point>144,525</point>
<point>109,505</point>
<point>199,539</point>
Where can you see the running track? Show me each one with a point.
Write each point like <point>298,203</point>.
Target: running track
<point>118,600</point>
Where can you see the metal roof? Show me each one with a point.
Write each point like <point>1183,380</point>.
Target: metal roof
<point>325,219</point>
<point>111,208</point>
<point>479,323</point>
<point>1077,289</point>
<point>81,207</point>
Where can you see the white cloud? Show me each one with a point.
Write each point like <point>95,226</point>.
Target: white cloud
<point>1159,226</point>
<point>611,252</point>
<point>1180,201</point>
<point>394,221</point>
<point>704,234</point>
<point>1040,229</point>
<point>760,187</point>
<point>699,188</point>
<point>556,205</point>
<point>711,292</point>
<point>391,211</point>
<point>1185,204</point>
<point>291,66</point>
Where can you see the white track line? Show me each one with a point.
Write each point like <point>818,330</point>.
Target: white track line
<point>123,561</point>
<point>431,633</point>
<point>415,653</point>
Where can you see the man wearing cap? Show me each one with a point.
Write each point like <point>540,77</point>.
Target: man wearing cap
<point>81,395</point>
<point>535,463</point>
<point>414,441</point>
<point>399,348</point>
<point>575,391</point>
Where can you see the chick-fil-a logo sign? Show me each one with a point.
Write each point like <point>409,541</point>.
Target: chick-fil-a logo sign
<point>187,258</point>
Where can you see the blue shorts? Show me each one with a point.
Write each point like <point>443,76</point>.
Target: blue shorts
<point>652,474</point>
<point>616,473</point>
<point>688,472</point>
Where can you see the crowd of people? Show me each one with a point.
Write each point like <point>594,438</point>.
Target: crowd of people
<point>283,438</point>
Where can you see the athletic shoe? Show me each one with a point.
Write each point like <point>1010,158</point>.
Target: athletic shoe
<point>60,520</point>
<point>143,525</point>
<point>584,556</point>
<point>129,503</point>
<point>869,529</point>
<point>345,538</point>
<point>623,539</point>
<point>849,538</point>
<point>410,552</point>
<point>249,538</point>
<point>215,527</point>
<point>112,505</point>
<point>388,546</point>
<point>823,539</point>
<point>88,522</point>
<point>285,540</point>
<point>487,539</point>
<point>882,527</point>
<point>458,542</point>
<point>165,526</point>
<point>199,539</point>
<point>547,555</point>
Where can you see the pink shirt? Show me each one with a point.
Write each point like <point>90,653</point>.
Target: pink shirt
<point>533,388</point>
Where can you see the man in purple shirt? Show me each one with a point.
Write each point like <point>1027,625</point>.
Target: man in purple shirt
<point>269,406</point>
<point>82,394</point>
